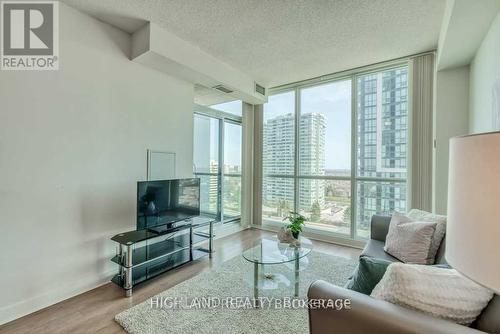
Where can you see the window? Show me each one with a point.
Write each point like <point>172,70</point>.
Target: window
<point>385,165</point>
<point>278,157</point>
<point>325,154</point>
<point>231,199</point>
<point>217,162</point>
<point>314,164</point>
<point>206,162</point>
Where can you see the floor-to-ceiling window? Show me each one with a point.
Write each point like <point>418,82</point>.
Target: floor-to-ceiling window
<point>324,189</point>
<point>382,141</point>
<point>336,151</point>
<point>231,197</point>
<point>217,159</point>
<point>206,162</point>
<point>278,157</point>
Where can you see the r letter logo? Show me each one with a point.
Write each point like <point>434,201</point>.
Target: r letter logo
<point>30,35</point>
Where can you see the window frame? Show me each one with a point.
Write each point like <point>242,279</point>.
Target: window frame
<point>222,118</point>
<point>352,75</point>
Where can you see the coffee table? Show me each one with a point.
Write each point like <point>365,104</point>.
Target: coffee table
<point>269,251</point>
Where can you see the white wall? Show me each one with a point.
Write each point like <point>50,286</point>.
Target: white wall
<point>450,119</point>
<point>72,146</point>
<point>485,72</point>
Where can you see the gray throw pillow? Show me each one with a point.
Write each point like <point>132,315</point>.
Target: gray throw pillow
<point>409,241</point>
<point>440,220</point>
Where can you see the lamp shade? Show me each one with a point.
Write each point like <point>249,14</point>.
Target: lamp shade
<point>473,228</point>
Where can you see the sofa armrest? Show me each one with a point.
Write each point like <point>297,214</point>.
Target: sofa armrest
<point>380,227</point>
<point>369,315</point>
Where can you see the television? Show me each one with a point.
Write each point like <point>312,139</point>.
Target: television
<point>167,201</point>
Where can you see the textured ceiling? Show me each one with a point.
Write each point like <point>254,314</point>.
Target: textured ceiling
<point>283,41</point>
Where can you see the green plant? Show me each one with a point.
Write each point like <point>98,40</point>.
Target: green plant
<point>296,222</point>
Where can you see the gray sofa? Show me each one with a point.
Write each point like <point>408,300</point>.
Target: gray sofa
<point>369,315</point>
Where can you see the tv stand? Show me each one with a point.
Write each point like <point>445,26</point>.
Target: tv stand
<point>144,254</point>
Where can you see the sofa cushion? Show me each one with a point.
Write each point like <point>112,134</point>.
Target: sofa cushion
<point>367,274</point>
<point>442,293</point>
<point>375,249</point>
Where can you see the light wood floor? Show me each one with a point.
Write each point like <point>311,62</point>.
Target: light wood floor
<point>93,311</point>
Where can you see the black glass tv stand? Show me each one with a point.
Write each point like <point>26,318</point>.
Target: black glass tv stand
<point>144,254</point>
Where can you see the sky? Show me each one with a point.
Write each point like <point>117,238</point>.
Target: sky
<point>232,133</point>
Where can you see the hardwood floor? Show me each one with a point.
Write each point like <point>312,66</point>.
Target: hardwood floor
<point>94,311</point>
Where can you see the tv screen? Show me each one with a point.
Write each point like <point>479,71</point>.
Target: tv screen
<point>167,201</point>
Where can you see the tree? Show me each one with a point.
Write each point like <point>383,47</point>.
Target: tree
<point>237,197</point>
<point>283,207</point>
<point>347,215</point>
<point>330,189</point>
<point>315,211</point>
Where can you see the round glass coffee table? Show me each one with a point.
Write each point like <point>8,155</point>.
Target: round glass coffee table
<point>269,251</point>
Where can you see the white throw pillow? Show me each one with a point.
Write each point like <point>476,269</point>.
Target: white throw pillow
<point>440,220</point>
<point>409,241</point>
<point>442,293</point>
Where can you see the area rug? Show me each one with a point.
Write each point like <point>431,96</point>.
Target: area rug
<point>234,279</point>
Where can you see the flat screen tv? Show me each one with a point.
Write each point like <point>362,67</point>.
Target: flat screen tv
<point>167,201</point>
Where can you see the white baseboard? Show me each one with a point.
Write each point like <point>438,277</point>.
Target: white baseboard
<point>63,292</point>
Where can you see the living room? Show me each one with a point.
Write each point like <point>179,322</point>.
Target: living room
<point>250,166</point>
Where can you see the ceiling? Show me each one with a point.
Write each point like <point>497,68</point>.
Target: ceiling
<point>283,41</point>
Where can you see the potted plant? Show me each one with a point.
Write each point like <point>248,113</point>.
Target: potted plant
<point>296,222</point>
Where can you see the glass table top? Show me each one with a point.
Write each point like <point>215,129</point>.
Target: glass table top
<point>269,250</point>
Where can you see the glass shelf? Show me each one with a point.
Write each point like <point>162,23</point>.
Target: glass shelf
<point>156,267</point>
<point>149,252</point>
<point>199,239</point>
<point>133,237</point>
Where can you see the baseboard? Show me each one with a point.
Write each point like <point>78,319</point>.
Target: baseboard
<point>15,311</point>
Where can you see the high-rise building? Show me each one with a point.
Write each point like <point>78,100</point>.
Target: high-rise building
<point>209,189</point>
<point>279,150</point>
<point>382,142</point>
<point>312,159</point>
<point>213,185</point>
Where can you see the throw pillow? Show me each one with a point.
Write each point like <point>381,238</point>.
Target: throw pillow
<point>368,273</point>
<point>440,220</point>
<point>441,293</point>
<point>409,241</point>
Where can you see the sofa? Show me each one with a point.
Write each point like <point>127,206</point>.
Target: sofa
<point>369,315</point>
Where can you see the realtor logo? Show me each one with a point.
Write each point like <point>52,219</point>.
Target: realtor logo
<point>29,35</point>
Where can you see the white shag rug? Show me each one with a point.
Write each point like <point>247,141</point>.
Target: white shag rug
<point>234,278</point>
